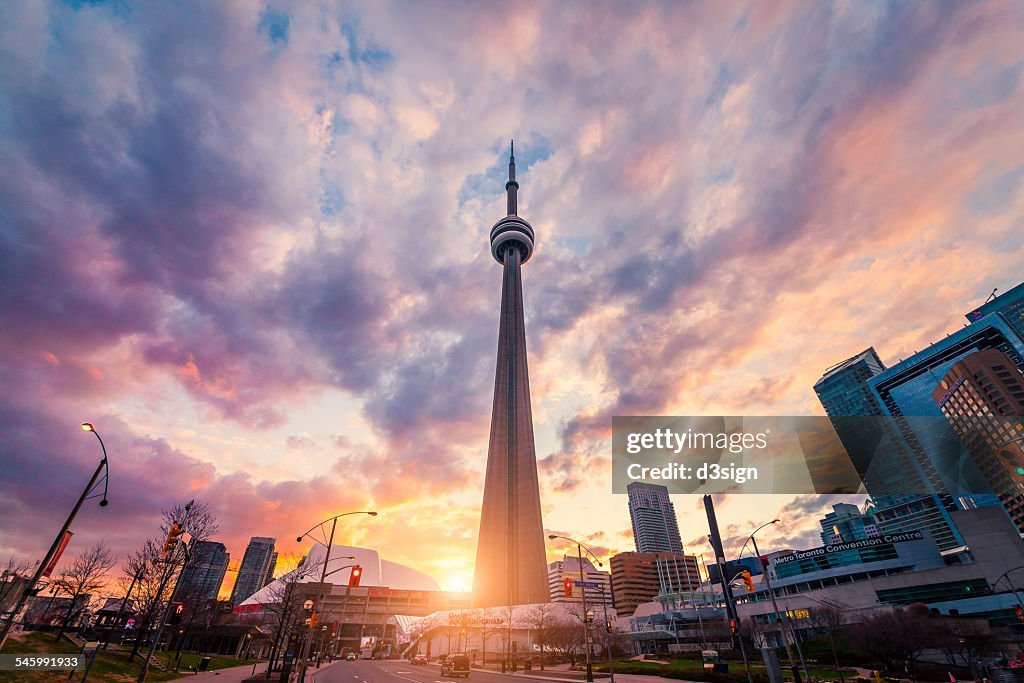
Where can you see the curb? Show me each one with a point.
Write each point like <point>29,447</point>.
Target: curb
<point>316,672</point>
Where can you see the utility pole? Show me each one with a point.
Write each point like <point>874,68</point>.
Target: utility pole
<point>170,600</point>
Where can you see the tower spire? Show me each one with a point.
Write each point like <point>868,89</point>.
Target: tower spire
<point>511,187</point>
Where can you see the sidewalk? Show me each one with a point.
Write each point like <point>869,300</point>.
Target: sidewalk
<point>551,672</point>
<point>234,674</point>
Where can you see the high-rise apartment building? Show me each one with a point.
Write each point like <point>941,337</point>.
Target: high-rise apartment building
<point>204,574</point>
<point>271,566</point>
<point>639,577</point>
<point>253,570</point>
<point>569,568</point>
<point>982,396</point>
<point>655,527</point>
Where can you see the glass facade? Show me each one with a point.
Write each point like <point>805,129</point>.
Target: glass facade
<point>879,455</point>
<point>933,592</point>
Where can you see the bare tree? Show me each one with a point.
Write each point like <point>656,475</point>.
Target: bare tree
<point>486,625</point>
<point>718,634</point>
<point>753,632</point>
<point>282,607</point>
<point>829,620</point>
<point>565,639</point>
<point>963,639</point>
<point>541,619</point>
<point>897,637</point>
<point>156,584</point>
<point>509,621</point>
<point>86,575</point>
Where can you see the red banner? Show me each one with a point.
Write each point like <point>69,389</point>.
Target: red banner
<point>56,556</point>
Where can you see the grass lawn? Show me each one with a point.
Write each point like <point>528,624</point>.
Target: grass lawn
<point>694,669</point>
<point>109,666</point>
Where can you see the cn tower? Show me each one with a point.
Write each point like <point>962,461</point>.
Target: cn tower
<point>511,567</point>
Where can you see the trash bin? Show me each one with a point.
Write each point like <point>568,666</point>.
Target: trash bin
<point>721,667</point>
<point>204,664</point>
<point>528,665</point>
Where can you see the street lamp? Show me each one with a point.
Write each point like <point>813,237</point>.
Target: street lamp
<point>323,576</point>
<point>52,552</point>
<point>1006,575</point>
<point>588,614</point>
<point>783,621</point>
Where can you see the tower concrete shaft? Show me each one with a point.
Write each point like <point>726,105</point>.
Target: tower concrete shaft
<point>511,567</point>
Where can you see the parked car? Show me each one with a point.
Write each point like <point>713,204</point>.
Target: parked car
<point>455,665</point>
<point>419,660</point>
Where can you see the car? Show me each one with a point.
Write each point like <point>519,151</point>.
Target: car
<point>455,665</point>
<point>350,657</point>
<point>419,660</point>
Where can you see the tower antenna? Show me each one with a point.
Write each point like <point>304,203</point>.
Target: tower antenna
<point>511,187</point>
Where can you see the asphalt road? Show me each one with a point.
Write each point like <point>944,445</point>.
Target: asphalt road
<point>398,671</point>
<point>401,671</point>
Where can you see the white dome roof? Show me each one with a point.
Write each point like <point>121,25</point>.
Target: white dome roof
<point>376,572</point>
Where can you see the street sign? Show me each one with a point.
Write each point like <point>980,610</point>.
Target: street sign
<point>588,584</point>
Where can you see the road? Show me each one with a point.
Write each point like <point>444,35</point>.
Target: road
<point>400,671</point>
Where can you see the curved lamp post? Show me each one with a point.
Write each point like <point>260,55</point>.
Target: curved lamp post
<point>588,618</point>
<point>1006,575</point>
<point>783,620</point>
<point>52,552</point>
<point>323,576</point>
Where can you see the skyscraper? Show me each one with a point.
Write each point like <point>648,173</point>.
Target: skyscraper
<point>271,566</point>
<point>927,451</point>
<point>847,523</point>
<point>638,577</point>
<point>511,566</point>
<point>655,527</point>
<point>1010,306</point>
<point>982,396</point>
<point>900,493</point>
<point>205,573</point>
<point>253,569</point>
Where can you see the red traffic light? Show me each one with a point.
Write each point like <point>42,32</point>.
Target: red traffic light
<point>567,587</point>
<point>172,539</point>
<point>354,576</point>
<point>1019,611</point>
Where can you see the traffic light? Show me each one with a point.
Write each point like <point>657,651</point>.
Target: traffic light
<point>732,626</point>
<point>567,587</point>
<point>354,576</point>
<point>176,611</point>
<point>172,539</point>
<point>608,626</point>
<point>748,582</point>
<point>1019,611</point>
<point>313,618</point>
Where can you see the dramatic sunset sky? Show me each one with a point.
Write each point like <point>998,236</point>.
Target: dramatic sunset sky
<point>249,242</point>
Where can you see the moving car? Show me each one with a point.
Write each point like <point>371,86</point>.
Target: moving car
<point>455,665</point>
<point>350,657</point>
<point>419,660</point>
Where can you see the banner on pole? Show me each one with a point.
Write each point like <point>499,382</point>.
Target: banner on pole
<point>56,556</point>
